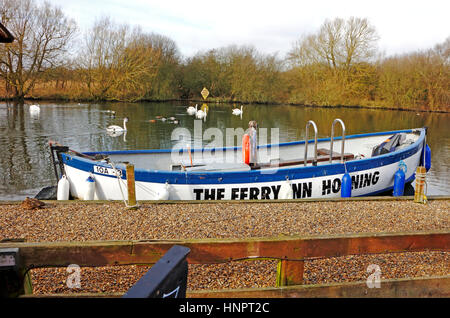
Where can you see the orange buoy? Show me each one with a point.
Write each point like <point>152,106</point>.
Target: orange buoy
<point>152,121</point>
<point>246,149</point>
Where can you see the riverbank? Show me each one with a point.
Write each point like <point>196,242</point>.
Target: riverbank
<point>82,221</point>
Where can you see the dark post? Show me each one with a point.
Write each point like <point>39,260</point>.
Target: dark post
<point>166,279</point>
<point>58,161</point>
<point>12,275</point>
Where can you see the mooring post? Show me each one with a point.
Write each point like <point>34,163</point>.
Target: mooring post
<point>131,186</point>
<point>290,272</point>
<point>419,193</point>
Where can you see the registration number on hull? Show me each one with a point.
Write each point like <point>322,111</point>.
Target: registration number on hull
<point>107,171</point>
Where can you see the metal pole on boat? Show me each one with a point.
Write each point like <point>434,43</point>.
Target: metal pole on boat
<point>131,186</point>
<point>337,120</point>
<point>310,122</point>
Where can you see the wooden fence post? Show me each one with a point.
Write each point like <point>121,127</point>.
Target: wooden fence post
<point>290,272</point>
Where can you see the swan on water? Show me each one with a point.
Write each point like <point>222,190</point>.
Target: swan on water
<point>35,109</point>
<point>115,128</point>
<point>237,111</point>
<point>200,114</point>
<point>192,110</point>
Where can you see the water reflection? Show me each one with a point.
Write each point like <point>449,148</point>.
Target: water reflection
<point>117,134</point>
<point>25,157</point>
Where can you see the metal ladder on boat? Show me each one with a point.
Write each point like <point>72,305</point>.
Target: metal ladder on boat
<point>309,123</point>
<point>337,120</point>
<point>312,123</point>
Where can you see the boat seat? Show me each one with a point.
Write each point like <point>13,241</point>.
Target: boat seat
<point>336,155</point>
<point>322,155</point>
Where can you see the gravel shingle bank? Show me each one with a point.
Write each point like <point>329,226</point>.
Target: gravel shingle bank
<point>249,274</point>
<point>80,221</point>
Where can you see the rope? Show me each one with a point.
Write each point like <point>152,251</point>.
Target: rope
<point>119,179</point>
<point>148,190</point>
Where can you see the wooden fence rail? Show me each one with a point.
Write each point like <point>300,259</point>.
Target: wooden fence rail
<point>291,251</point>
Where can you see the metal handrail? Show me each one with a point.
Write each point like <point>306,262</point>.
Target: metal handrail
<point>332,139</point>
<point>310,122</point>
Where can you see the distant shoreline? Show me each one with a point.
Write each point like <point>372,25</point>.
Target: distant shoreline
<point>218,101</point>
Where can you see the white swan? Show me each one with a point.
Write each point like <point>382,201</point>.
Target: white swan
<point>35,109</point>
<point>115,128</point>
<point>237,111</point>
<point>192,110</point>
<point>200,114</point>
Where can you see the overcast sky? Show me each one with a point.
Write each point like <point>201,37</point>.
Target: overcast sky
<point>271,26</point>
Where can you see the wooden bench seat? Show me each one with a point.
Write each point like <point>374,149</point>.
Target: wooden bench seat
<point>322,155</point>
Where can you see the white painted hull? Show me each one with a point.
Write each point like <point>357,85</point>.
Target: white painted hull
<point>370,179</point>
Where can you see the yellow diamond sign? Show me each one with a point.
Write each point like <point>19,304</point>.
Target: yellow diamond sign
<point>204,92</point>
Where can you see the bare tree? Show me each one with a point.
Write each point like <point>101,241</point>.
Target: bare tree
<point>337,44</point>
<point>118,62</point>
<point>100,55</point>
<point>359,41</point>
<point>42,34</point>
<point>329,42</point>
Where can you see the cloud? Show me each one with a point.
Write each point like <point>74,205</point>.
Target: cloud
<point>270,26</point>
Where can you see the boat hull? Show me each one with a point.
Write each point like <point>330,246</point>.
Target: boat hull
<point>369,176</point>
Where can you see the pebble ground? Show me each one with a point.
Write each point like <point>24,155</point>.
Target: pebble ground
<point>81,221</point>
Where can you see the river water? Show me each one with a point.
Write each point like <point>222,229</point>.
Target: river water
<point>25,164</point>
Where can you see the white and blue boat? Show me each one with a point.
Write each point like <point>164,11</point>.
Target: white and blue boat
<point>358,165</point>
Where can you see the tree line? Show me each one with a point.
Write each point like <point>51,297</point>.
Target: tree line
<point>338,65</point>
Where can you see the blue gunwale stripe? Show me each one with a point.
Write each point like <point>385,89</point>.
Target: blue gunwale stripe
<point>253,176</point>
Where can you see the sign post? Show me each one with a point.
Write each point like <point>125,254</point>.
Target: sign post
<point>205,94</point>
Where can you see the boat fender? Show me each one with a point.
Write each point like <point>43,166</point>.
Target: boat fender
<point>427,163</point>
<point>399,180</point>
<point>89,190</point>
<point>63,189</point>
<point>286,191</point>
<point>246,149</point>
<point>346,186</point>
